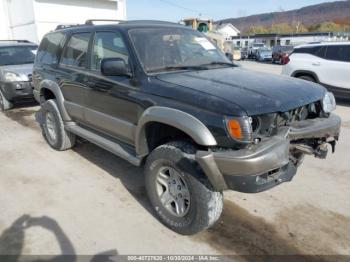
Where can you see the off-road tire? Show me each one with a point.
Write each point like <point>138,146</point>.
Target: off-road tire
<point>4,103</point>
<point>307,78</point>
<point>206,204</point>
<point>64,140</point>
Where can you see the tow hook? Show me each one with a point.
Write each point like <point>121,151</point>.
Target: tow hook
<point>321,151</point>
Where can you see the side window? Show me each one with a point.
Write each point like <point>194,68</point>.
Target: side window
<point>108,45</point>
<point>338,53</point>
<point>49,48</point>
<point>315,50</point>
<point>75,53</point>
<point>319,51</point>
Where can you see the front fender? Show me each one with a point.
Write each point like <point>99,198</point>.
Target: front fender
<point>175,118</point>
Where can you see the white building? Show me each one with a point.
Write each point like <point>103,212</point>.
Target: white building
<point>290,39</point>
<point>31,19</point>
<point>228,31</point>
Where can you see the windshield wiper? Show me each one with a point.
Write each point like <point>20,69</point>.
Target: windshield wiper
<point>220,63</point>
<point>171,68</point>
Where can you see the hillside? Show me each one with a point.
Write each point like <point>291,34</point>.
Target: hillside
<point>338,12</point>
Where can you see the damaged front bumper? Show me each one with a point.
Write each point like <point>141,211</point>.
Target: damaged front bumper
<point>270,162</point>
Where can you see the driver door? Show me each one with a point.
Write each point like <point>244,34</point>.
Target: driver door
<point>111,107</point>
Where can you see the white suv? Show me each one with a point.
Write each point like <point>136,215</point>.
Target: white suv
<point>324,63</point>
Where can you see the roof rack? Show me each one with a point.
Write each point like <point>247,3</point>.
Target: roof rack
<point>59,27</point>
<point>17,41</point>
<point>91,21</point>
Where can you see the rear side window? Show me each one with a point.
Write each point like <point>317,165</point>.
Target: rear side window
<point>75,53</point>
<point>314,50</point>
<point>338,53</point>
<point>49,49</point>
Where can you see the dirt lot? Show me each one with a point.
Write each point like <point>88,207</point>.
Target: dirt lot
<point>87,201</point>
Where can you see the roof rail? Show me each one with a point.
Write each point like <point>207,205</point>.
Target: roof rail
<point>59,27</point>
<point>17,41</point>
<point>91,21</point>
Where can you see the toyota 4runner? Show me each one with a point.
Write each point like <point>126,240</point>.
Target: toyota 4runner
<point>162,96</point>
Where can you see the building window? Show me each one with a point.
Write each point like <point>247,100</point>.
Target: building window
<point>246,43</point>
<point>288,42</point>
<point>238,43</point>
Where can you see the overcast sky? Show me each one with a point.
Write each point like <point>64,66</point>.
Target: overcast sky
<point>174,10</point>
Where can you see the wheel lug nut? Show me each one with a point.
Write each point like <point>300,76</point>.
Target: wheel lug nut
<point>180,196</point>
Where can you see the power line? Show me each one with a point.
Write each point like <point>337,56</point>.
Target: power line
<point>183,7</point>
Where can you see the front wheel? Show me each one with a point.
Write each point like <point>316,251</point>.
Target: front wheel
<point>179,192</point>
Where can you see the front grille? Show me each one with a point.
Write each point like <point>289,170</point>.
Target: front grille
<point>269,124</point>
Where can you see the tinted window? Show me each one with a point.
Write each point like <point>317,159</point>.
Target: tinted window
<point>49,47</point>
<point>108,45</point>
<point>338,53</point>
<point>313,50</point>
<point>17,55</point>
<point>75,53</point>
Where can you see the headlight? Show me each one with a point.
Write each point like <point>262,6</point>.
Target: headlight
<point>13,77</point>
<point>328,103</point>
<point>240,128</point>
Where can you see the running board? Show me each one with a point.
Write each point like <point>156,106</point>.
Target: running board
<point>120,149</point>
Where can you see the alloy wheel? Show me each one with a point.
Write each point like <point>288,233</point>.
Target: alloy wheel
<point>173,191</point>
<point>51,127</point>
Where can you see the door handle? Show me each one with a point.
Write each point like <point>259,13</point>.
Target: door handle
<point>316,63</point>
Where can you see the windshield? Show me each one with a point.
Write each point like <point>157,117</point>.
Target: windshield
<point>17,55</point>
<point>164,49</point>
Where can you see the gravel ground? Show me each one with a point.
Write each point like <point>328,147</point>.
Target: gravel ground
<point>87,201</point>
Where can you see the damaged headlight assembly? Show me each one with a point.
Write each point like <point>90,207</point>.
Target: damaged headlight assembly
<point>328,103</point>
<point>240,128</point>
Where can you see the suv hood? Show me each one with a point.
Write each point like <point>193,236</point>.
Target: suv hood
<point>256,93</point>
<point>22,70</point>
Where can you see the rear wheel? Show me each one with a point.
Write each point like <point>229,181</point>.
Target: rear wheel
<point>307,78</point>
<point>4,103</point>
<point>53,127</point>
<point>179,192</point>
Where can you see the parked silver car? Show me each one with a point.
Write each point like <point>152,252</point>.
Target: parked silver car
<point>264,54</point>
<point>16,67</point>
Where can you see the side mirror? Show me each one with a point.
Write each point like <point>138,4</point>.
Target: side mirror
<point>114,67</point>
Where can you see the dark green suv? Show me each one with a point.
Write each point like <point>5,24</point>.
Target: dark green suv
<point>162,96</point>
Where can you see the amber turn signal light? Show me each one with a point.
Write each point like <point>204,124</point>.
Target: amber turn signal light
<point>234,128</point>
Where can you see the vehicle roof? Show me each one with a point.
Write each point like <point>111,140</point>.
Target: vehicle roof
<point>324,44</point>
<point>123,24</point>
<point>8,43</point>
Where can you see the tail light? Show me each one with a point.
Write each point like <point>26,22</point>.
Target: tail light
<point>285,59</point>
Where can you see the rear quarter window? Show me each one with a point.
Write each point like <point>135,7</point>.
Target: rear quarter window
<point>48,52</point>
<point>318,51</point>
<point>338,53</point>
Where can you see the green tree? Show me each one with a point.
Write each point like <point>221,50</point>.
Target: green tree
<point>281,28</point>
<point>257,30</point>
<point>330,27</point>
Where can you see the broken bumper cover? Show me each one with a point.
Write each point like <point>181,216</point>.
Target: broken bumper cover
<point>265,165</point>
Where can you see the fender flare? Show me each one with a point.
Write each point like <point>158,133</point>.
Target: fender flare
<point>307,73</point>
<point>175,118</point>
<point>54,88</point>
